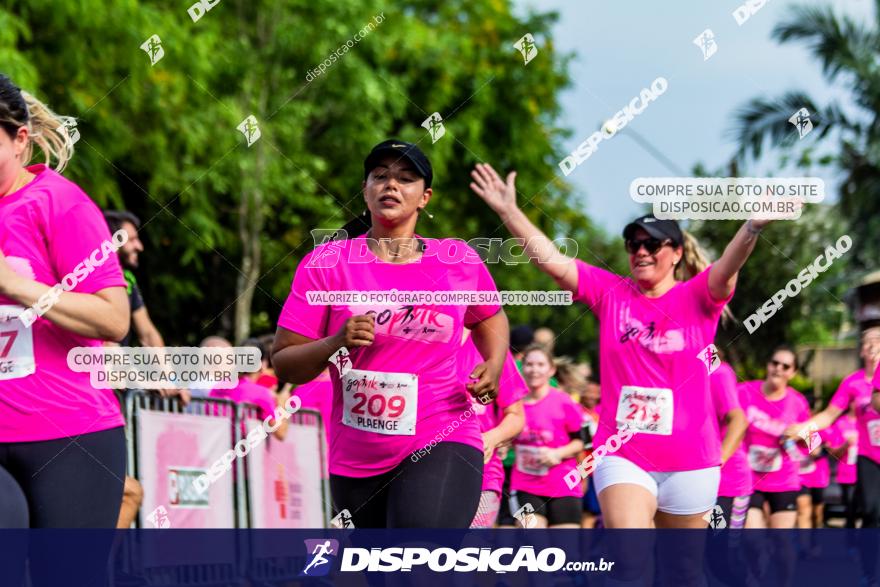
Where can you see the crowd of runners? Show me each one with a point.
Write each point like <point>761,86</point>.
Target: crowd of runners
<point>666,438</point>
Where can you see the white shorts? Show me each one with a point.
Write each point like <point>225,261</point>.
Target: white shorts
<point>681,493</point>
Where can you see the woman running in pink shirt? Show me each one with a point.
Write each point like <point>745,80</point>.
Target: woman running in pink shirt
<point>396,388</point>
<point>547,448</point>
<point>857,390</point>
<point>500,422</point>
<point>62,445</point>
<point>771,406</point>
<point>736,478</point>
<point>654,331</point>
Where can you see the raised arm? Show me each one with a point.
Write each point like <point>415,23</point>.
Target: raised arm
<point>722,276</point>
<point>822,420</point>
<point>501,198</point>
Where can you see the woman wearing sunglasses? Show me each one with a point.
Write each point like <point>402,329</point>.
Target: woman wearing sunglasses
<point>654,328</point>
<point>771,406</point>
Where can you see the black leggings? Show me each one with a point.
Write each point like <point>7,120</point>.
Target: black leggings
<point>439,490</point>
<point>65,483</point>
<point>868,492</point>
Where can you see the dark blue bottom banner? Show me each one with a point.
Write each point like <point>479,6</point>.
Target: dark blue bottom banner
<point>85,558</point>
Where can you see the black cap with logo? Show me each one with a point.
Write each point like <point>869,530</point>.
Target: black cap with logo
<point>659,229</point>
<point>408,151</point>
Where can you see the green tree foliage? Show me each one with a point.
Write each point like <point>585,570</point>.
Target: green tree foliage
<point>161,140</point>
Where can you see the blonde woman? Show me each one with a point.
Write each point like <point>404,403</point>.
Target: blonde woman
<point>654,326</point>
<point>62,446</point>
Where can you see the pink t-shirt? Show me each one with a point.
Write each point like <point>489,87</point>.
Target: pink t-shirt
<point>549,422</point>
<point>246,391</point>
<point>404,390</point>
<point>511,389</point>
<point>47,228</point>
<point>844,431</point>
<point>653,375</point>
<point>856,388</point>
<point>815,470</point>
<point>772,468</point>
<point>736,477</point>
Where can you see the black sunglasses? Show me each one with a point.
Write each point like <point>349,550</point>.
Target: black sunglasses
<point>651,244</point>
<point>785,366</point>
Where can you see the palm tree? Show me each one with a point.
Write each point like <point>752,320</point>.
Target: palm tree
<point>849,52</point>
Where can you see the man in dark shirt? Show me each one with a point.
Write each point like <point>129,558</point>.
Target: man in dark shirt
<point>147,334</point>
<point>141,324</point>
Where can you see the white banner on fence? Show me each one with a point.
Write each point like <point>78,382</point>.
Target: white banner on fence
<point>284,478</point>
<point>173,450</point>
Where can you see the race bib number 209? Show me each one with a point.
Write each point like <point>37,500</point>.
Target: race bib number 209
<point>380,402</point>
<point>16,345</point>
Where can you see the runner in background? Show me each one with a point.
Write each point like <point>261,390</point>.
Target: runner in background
<point>735,486</point>
<point>396,387</point>
<point>589,403</point>
<point>856,390</point>
<point>48,226</point>
<point>771,406</point>
<point>147,334</point>
<point>844,448</point>
<point>317,395</point>
<point>500,422</point>
<point>574,383</point>
<point>815,474</point>
<point>653,327</point>
<point>141,323</point>
<point>267,376</point>
<point>547,448</point>
<point>520,338</point>
<point>569,378</point>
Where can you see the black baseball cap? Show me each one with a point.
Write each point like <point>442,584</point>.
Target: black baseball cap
<point>660,229</point>
<point>408,151</point>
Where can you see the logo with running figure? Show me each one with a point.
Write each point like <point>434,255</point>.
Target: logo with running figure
<point>810,436</point>
<point>526,516</point>
<point>526,46</point>
<point>342,521</point>
<point>321,553</point>
<point>68,127</point>
<point>706,42</point>
<point>153,48</point>
<point>710,357</point>
<point>250,129</point>
<point>715,518</point>
<point>801,121</point>
<point>159,518</point>
<point>434,124</point>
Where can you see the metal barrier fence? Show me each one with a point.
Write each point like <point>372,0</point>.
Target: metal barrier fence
<point>298,488</point>
<point>170,446</point>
